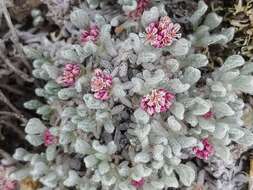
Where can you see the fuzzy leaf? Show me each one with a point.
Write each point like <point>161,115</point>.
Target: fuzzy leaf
<point>212,20</point>
<point>35,126</point>
<point>79,18</point>
<point>180,47</point>
<point>142,157</point>
<point>72,180</point>
<point>173,123</point>
<point>82,147</point>
<point>222,109</point>
<point>201,10</point>
<point>141,116</point>
<point>35,140</point>
<point>186,174</point>
<point>67,93</point>
<point>232,62</point>
<point>149,16</point>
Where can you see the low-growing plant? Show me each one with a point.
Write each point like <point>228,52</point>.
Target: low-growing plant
<point>130,109</point>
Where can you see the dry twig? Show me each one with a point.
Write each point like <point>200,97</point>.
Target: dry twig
<point>14,38</point>
<point>20,73</point>
<point>5,100</point>
<point>17,130</point>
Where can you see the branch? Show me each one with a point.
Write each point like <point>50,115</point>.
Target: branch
<point>5,100</point>
<point>14,34</point>
<point>20,73</point>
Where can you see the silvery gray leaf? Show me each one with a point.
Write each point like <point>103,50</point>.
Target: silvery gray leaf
<point>79,18</point>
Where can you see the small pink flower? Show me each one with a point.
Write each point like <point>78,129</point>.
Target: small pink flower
<point>70,73</point>
<point>206,151</point>
<point>141,6</point>
<point>49,138</point>
<point>163,32</point>
<point>91,34</point>
<point>159,100</point>
<point>101,84</point>
<point>10,185</point>
<point>5,182</point>
<point>138,184</point>
<point>208,115</point>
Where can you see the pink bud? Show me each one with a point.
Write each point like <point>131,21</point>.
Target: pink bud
<point>208,115</point>
<point>138,184</point>
<point>91,34</point>
<point>70,73</point>
<point>101,84</point>
<point>141,6</point>
<point>206,151</point>
<point>49,138</point>
<point>163,32</point>
<point>159,100</point>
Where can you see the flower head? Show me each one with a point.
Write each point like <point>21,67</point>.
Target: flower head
<point>49,138</point>
<point>206,151</point>
<point>159,100</point>
<point>5,182</point>
<point>141,6</point>
<point>101,84</point>
<point>91,34</point>
<point>163,32</point>
<point>208,115</point>
<point>70,74</point>
<point>138,184</point>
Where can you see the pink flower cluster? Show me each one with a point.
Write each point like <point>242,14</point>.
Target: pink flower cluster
<point>49,138</point>
<point>138,184</point>
<point>141,6</point>
<point>159,100</point>
<point>5,182</point>
<point>208,115</point>
<point>90,35</point>
<point>70,73</point>
<point>206,151</point>
<point>101,84</point>
<point>163,32</point>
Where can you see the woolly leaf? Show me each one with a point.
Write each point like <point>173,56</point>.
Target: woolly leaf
<point>173,123</point>
<point>207,124</point>
<point>90,161</point>
<point>212,20</point>
<point>79,18</point>
<point>34,140</point>
<point>196,60</point>
<point>180,47</point>
<point>232,62</point>
<point>35,126</point>
<point>51,152</point>
<point>178,110</point>
<point>243,83</point>
<point>171,181</point>
<point>93,103</point>
<point>72,180</point>
<point>220,130</point>
<point>222,109</point>
<point>191,75</point>
<point>186,174</point>
<point>67,93</point>
<point>176,86</point>
<point>82,147</point>
<point>103,167</point>
<point>187,142</point>
<point>141,116</point>
<point>149,16</point>
<point>221,151</point>
<point>201,10</point>
<point>32,104</point>
<point>142,157</point>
